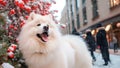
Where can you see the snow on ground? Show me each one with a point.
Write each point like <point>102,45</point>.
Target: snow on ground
<point>115,61</point>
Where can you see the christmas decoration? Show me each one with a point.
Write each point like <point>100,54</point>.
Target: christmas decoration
<point>13,14</point>
<point>10,54</point>
<point>12,48</point>
<point>10,51</point>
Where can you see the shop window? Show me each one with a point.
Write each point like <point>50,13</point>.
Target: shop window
<point>114,3</point>
<point>95,9</point>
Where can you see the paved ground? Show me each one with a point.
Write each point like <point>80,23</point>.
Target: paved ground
<point>111,51</point>
<point>115,61</point>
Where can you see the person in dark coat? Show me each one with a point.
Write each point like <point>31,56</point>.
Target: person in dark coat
<point>91,43</point>
<point>102,42</point>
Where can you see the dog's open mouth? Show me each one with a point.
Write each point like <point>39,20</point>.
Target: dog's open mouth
<point>43,36</point>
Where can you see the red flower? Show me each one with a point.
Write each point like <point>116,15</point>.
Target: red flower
<point>11,26</point>
<point>3,2</point>
<point>16,2</point>
<point>26,17</point>
<point>25,1</point>
<point>12,12</point>
<point>27,8</point>
<point>34,7</point>
<point>15,28</point>
<point>19,3</point>
<point>21,24</point>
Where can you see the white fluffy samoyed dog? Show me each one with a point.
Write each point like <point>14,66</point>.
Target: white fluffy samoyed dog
<point>43,46</point>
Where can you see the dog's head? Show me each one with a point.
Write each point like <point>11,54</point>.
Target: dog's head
<point>42,28</point>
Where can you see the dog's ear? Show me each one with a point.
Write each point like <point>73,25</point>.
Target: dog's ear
<point>31,16</point>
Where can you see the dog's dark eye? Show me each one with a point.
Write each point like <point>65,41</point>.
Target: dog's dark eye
<point>38,24</point>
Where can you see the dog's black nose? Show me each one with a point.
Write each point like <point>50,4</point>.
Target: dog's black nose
<point>46,28</point>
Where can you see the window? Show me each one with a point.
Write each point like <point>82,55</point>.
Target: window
<point>95,9</point>
<point>77,4</point>
<point>77,13</point>
<point>84,15</point>
<point>73,6</point>
<point>78,21</point>
<point>83,1</point>
<point>114,3</point>
<point>71,10</point>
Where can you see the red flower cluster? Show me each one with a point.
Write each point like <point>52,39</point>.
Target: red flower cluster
<point>3,3</point>
<point>19,10</point>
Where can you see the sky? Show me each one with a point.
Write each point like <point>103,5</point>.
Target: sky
<point>58,6</point>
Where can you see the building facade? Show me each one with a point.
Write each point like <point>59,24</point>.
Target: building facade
<point>64,21</point>
<point>86,14</point>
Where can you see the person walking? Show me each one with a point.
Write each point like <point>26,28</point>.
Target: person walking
<point>91,43</point>
<point>115,44</point>
<point>102,42</point>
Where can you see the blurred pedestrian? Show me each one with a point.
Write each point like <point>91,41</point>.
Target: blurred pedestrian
<point>115,44</point>
<point>74,32</point>
<point>91,43</point>
<point>102,42</point>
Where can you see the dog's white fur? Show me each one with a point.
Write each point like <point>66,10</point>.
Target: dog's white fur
<point>58,52</point>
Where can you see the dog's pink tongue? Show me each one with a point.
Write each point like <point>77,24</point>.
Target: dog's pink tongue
<point>45,37</point>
